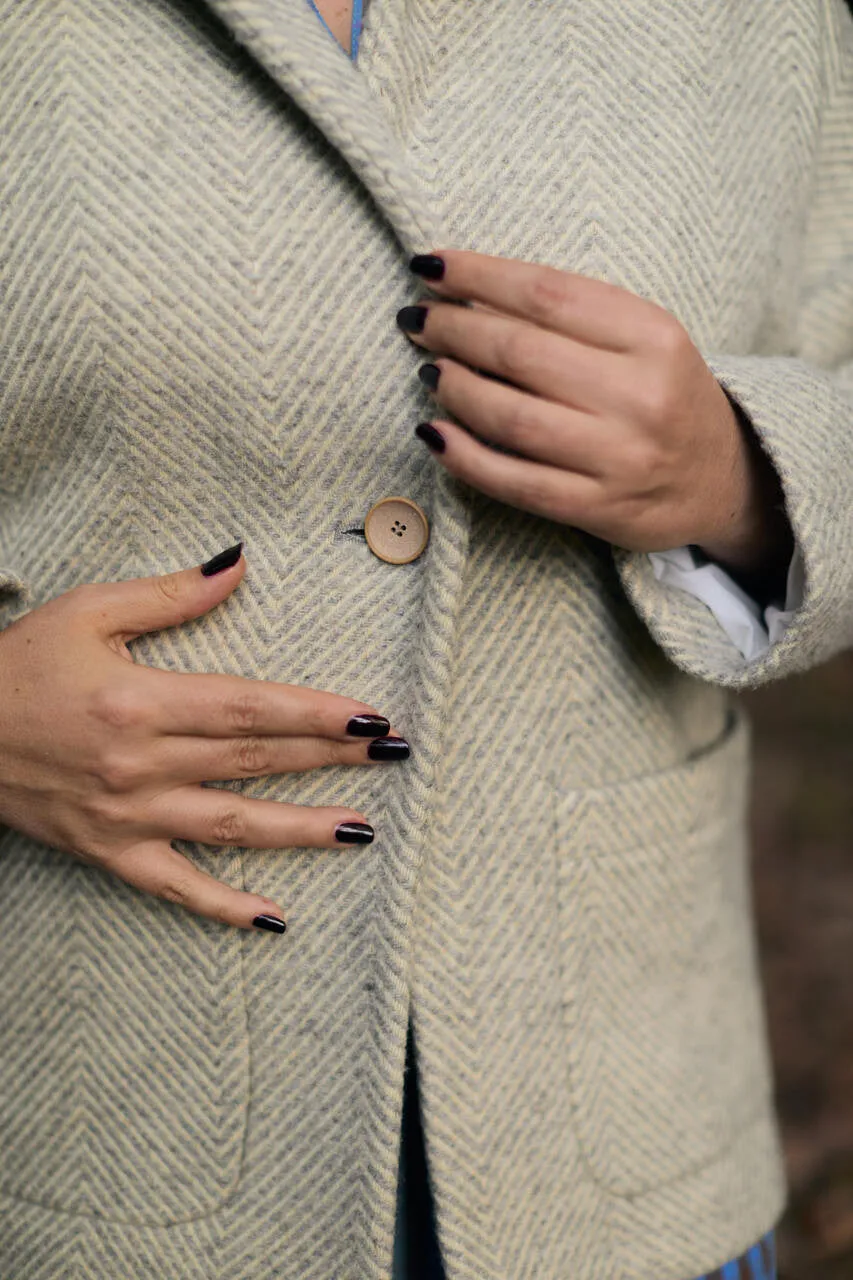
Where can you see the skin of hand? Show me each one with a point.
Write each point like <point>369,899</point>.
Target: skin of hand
<point>337,15</point>
<point>103,758</point>
<point>604,414</point>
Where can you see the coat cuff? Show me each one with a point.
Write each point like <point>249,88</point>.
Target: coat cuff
<point>14,597</point>
<point>751,627</point>
<point>804,420</point>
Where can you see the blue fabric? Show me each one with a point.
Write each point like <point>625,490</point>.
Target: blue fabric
<point>758,1263</point>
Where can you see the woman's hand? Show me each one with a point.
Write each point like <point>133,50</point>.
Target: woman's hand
<point>614,422</point>
<point>103,758</point>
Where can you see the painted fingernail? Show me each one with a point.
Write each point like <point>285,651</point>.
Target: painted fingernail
<point>272,923</point>
<point>225,560</point>
<point>427,265</point>
<point>431,436</point>
<point>429,375</point>
<point>368,726</point>
<point>389,749</point>
<point>412,319</point>
<point>354,833</point>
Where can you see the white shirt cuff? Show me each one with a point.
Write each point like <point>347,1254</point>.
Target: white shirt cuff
<point>751,629</point>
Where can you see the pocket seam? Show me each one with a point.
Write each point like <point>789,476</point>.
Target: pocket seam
<point>734,738</point>
<point>235,1155</point>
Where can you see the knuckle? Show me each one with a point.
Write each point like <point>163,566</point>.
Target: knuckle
<point>516,354</point>
<point>643,463</point>
<point>178,889</point>
<point>84,841</point>
<point>118,707</point>
<point>242,712</point>
<point>523,426</point>
<point>319,718</point>
<point>669,338</point>
<point>119,773</point>
<point>103,810</point>
<point>547,295</point>
<point>168,588</point>
<point>331,752</point>
<point>253,756</point>
<point>89,855</point>
<point>228,827</point>
<point>657,400</point>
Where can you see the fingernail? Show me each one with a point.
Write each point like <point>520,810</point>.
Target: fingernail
<point>429,375</point>
<point>368,726</point>
<point>354,833</point>
<point>225,560</point>
<point>431,436</point>
<point>412,319</point>
<point>389,749</point>
<point>269,922</point>
<point>427,265</point>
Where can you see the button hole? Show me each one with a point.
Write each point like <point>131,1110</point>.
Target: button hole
<point>355,533</point>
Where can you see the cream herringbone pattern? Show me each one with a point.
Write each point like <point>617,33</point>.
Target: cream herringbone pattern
<point>205,215</point>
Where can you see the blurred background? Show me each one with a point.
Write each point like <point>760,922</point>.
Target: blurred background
<point>803,830</point>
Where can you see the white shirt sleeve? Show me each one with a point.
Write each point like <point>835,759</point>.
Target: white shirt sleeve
<point>751,629</point>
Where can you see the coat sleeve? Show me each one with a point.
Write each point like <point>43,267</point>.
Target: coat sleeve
<point>801,406</point>
<point>14,596</point>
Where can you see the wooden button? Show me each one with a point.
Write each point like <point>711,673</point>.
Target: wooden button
<point>396,530</point>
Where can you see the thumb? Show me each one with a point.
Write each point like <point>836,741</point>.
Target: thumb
<point>139,605</point>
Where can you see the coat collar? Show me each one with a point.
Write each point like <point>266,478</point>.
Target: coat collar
<point>288,40</point>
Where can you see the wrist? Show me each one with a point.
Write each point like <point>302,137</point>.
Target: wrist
<point>754,541</point>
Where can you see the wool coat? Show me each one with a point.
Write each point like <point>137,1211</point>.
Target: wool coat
<point>207,214</point>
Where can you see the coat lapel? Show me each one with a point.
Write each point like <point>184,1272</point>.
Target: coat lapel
<point>288,40</point>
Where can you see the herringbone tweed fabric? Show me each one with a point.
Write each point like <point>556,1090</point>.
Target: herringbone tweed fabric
<point>206,217</point>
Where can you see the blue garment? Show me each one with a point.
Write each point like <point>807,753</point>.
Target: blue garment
<point>416,1250</point>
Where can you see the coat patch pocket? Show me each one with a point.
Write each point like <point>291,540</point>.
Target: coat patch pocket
<point>124,1066</point>
<point>664,1025</point>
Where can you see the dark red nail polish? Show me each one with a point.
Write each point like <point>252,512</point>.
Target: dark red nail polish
<point>272,923</point>
<point>429,375</point>
<point>412,319</point>
<point>368,726</point>
<point>431,436</point>
<point>428,266</point>
<point>389,749</point>
<point>225,560</point>
<point>354,833</point>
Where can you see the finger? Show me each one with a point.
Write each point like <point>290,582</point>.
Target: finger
<point>216,817</point>
<point>590,311</point>
<point>156,868</point>
<point>232,706</point>
<point>545,363</point>
<point>563,496</point>
<point>178,759</point>
<point>131,608</point>
<point>529,425</point>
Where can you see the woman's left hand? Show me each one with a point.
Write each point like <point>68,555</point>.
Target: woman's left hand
<point>614,421</point>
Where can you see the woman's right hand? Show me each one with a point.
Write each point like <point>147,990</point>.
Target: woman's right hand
<point>104,758</point>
